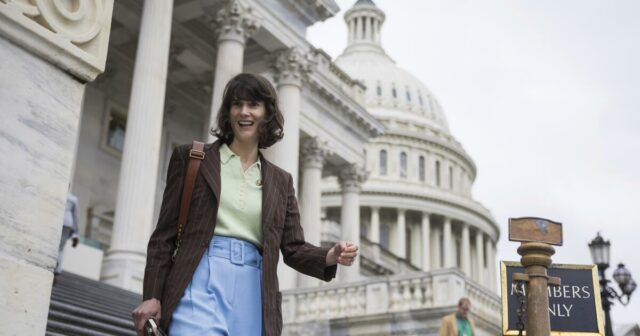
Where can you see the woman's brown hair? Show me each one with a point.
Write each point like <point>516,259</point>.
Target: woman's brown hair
<point>251,87</point>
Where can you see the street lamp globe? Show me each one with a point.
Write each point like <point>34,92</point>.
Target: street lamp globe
<point>622,276</point>
<point>629,288</point>
<point>600,251</point>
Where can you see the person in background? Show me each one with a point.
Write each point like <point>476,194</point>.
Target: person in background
<point>458,323</point>
<point>69,229</point>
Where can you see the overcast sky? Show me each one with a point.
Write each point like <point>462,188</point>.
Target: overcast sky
<point>545,97</point>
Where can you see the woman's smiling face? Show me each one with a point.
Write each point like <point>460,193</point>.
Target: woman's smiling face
<point>246,118</point>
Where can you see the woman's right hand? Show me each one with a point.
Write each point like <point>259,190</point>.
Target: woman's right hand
<point>146,310</point>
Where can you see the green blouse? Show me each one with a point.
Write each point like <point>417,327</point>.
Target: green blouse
<point>240,211</point>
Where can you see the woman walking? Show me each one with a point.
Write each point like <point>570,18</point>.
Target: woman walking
<point>223,280</point>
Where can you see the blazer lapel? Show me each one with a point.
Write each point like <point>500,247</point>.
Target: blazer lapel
<point>210,168</point>
<point>269,191</point>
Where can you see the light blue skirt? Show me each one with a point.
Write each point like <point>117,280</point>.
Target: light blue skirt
<point>224,296</point>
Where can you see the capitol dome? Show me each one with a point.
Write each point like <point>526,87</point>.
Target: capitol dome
<point>417,212</point>
<point>393,93</point>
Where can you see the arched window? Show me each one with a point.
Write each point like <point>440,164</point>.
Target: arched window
<point>450,177</point>
<point>403,164</point>
<point>379,90</point>
<point>383,162</point>
<point>421,172</point>
<point>394,93</point>
<point>438,173</point>
<point>408,95</point>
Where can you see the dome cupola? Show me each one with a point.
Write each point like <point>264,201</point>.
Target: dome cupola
<point>392,93</point>
<point>364,21</point>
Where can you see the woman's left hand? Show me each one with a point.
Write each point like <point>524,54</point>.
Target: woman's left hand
<point>343,253</point>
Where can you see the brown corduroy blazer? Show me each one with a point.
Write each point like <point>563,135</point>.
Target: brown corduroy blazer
<point>166,280</point>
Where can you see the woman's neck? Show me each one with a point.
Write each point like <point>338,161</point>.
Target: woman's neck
<point>248,152</point>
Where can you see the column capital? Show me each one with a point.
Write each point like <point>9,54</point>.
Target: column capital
<point>236,22</point>
<point>351,177</point>
<point>314,150</point>
<point>292,66</point>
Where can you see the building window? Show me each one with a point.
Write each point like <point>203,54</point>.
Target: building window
<point>383,162</point>
<point>384,236</point>
<point>403,164</point>
<point>379,90</point>
<point>114,129</point>
<point>408,95</point>
<point>421,172</point>
<point>438,173</point>
<point>451,178</point>
<point>394,93</point>
<point>420,99</point>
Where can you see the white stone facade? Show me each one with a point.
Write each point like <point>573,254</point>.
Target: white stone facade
<point>48,50</point>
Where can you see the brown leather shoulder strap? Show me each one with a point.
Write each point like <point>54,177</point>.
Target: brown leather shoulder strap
<point>196,155</point>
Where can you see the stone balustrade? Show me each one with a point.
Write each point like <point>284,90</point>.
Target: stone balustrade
<point>389,294</point>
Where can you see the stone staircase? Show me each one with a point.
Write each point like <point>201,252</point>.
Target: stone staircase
<point>81,306</point>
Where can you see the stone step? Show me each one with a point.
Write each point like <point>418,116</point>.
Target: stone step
<point>71,310</point>
<point>81,306</point>
<point>114,310</point>
<point>86,322</point>
<point>62,328</point>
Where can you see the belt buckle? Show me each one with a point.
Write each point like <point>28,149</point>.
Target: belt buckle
<point>237,252</point>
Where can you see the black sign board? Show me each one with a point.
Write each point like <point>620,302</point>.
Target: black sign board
<point>574,307</point>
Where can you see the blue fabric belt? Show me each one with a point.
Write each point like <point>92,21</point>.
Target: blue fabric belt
<point>238,251</point>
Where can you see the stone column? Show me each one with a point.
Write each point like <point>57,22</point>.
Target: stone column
<point>235,24</point>
<point>291,67</point>
<point>351,179</point>
<point>447,241</point>
<point>368,29</point>
<point>376,31</point>
<point>465,258</point>
<point>358,34</point>
<point>313,154</point>
<point>123,265</point>
<point>47,53</point>
<point>401,234</point>
<point>480,257</point>
<point>426,234</point>
<point>488,248</point>
<point>436,248</point>
<point>416,248</point>
<point>494,268</point>
<point>352,30</point>
<point>374,233</point>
